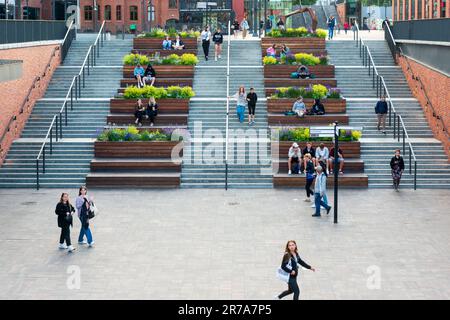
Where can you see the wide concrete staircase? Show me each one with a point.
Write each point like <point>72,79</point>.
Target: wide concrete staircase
<point>433,169</point>
<point>68,166</point>
<point>202,168</point>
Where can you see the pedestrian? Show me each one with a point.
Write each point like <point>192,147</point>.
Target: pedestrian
<point>268,25</point>
<point>280,24</point>
<point>261,27</point>
<point>346,27</point>
<point>244,27</point>
<point>252,98</point>
<point>235,28</point>
<point>331,24</point>
<point>64,210</point>
<point>206,36</point>
<point>241,98</point>
<point>397,168</point>
<point>290,265</point>
<point>218,40</point>
<point>381,110</point>
<point>83,206</point>
<point>320,188</point>
<point>309,170</point>
<point>322,155</point>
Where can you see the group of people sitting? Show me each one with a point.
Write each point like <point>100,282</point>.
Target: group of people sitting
<point>301,161</point>
<point>149,111</point>
<point>272,51</point>
<point>143,76</point>
<point>299,108</point>
<point>176,44</point>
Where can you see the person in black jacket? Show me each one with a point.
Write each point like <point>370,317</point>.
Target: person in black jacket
<point>152,110</point>
<point>397,168</point>
<point>218,40</point>
<point>381,109</point>
<point>64,210</point>
<point>317,108</point>
<point>252,98</point>
<point>290,264</point>
<point>149,75</point>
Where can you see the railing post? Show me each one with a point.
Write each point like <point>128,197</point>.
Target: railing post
<point>123,32</point>
<point>398,130</point>
<point>71,98</point>
<point>79,86</point>
<point>390,113</point>
<point>84,78</point>
<point>88,62</point>
<point>65,112</point>
<point>37,174</point>
<point>60,126</point>
<point>415,174</point>
<point>43,159</point>
<point>410,163</point>
<point>51,138</point>
<point>395,126</point>
<point>76,88</point>
<point>56,128</point>
<point>373,78</point>
<point>404,146</point>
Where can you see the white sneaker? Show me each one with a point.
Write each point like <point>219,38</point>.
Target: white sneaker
<point>71,249</point>
<point>289,172</point>
<point>220,56</point>
<point>91,244</point>
<point>82,242</point>
<point>307,200</point>
<point>62,246</point>
<point>276,297</point>
<point>215,59</point>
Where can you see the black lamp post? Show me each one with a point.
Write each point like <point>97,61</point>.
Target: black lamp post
<point>94,20</point>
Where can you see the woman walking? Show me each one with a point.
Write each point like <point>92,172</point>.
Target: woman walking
<point>64,210</point>
<point>244,27</point>
<point>206,35</point>
<point>309,170</point>
<point>241,98</point>
<point>218,40</point>
<point>289,264</point>
<point>235,28</point>
<point>397,168</point>
<point>252,98</point>
<point>82,203</point>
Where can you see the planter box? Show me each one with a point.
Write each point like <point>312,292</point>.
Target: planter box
<point>315,52</point>
<point>163,53</point>
<point>160,82</point>
<point>282,105</point>
<point>351,149</point>
<point>164,71</point>
<point>166,106</point>
<point>134,149</point>
<point>156,43</point>
<point>277,119</point>
<point>284,71</point>
<point>295,42</point>
<point>272,83</point>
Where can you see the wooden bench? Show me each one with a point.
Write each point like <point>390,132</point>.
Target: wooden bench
<point>287,82</point>
<point>276,119</point>
<point>294,42</point>
<point>350,149</point>
<point>163,53</point>
<point>352,165</point>
<point>161,119</point>
<point>352,180</point>
<point>156,43</point>
<point>165,105</point>
<point>110,164</point>
<point>134,149</point>
<point>282,105</point>
<point>164,82</point>
<point>163,71</point>
<point>315,52</point>
<point>284,71</point>
<point>133,179</point>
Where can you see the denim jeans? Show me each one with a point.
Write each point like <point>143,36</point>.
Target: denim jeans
<point>319,202</point>
<point>83,232</point>
<point>240,110</point>
<point>330,33</point>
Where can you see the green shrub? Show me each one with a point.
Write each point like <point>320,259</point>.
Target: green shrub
<point>186,93</point>
<point>319,91</point>
<point>267,60</point>
<point>132,134</point>
<point>323,60</point>
<point>133,59</point>
<point>189,59</point>
<point>160,33</point>
<point>306,59</point>
<point>321,33</point>
<point>302,134</point>
<point>133,92</point>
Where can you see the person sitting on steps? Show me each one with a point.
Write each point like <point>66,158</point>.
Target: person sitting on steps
<point>178,44</point>
<point>149,75</point>
<point>340,161</point>
<point>272,51</point>
<point>152,110</point>
<point>299,107</point>
<point>317,109</point>
<point>138,75</point>
<point>294,155</point>
<point>167,43</point>
<point>139,112</point>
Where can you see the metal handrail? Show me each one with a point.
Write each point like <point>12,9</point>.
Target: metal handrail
<point>67,33</point>
<point>323,9</point>
<point>381,86</point>
<point>89,62</point>
<point>422,87</point>
<point>228,106</point>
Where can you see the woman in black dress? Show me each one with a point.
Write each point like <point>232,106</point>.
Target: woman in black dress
<point>64,210</point>
<point>397,168</point>
<point>152,110</point>
<point>139,112</point>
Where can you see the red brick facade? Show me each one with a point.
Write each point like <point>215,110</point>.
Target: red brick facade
<point>437,87</point>
<point>35,61</point>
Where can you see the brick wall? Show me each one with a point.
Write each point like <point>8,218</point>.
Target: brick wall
<point>35,60</point>
<point>437,88</point>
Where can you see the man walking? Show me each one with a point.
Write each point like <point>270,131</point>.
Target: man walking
<point>320,188</point>
<point>381,110</point>
<point>331,24</point>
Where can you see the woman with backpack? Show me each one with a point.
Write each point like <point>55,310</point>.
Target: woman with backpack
<point>83,206</point>
<point>290,265</point>
<point>64,210</point>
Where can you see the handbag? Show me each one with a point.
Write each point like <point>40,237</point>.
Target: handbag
<point>93,211</point>
<point>283,275</point>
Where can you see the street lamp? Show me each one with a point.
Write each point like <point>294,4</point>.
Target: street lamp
<point>94,2</point>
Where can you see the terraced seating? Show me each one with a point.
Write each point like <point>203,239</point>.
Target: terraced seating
<point>315,52</point>
<point>283,105</point>
<point>271,84</point>
<point>299,181</point>
<point>160,82</point>
<point>284,71</point>
<point>294,43</point>
<point>163,53</point>
<point>279,119</point>
<point>156,43</point>
<point>169,106</point>
<point>161,119</point>
<point>163,71</point>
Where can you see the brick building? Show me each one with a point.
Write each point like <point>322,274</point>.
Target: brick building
<point>420,9</point>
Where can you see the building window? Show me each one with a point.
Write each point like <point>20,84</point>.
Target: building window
<point>118,12</point>
<point>133,13</point>
<point>172,4</point>
<point>88,13</point>
<point>108,12</point>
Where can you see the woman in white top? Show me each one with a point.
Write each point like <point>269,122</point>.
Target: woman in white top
<point>244,27</point>
<point>241,104</point>
<point>206,36</point>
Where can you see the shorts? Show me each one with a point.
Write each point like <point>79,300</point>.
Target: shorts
<point>339,159</point>
<point>251,109</point>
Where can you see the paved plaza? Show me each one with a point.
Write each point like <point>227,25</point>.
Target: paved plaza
<point>216,244</point>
